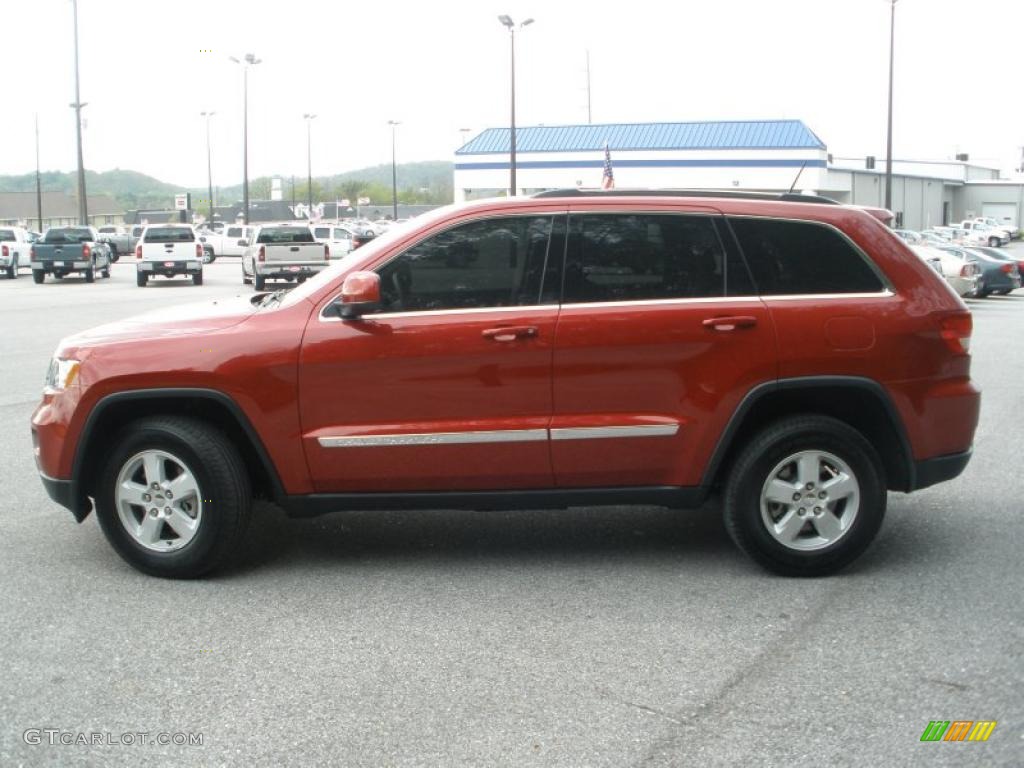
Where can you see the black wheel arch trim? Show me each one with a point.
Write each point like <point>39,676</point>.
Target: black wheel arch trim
<point>80,505</point>
<point>760,391</point>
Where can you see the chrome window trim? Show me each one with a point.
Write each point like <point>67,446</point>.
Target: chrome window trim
<point>600,433</point>
<point>422,312</point>
<point>816,296</point>
<point>498,436</point>
<point>435,438</point>
<point>661,302</point>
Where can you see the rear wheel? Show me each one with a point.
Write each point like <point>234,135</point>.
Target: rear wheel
<point>141,278</point>
<point>12,271</point>
<point>197,278</point>
<point>38,276</point>
<point>806,496</point>
<point>90,274</point>
<point>174,497</point>
<point>106,271</point>
<point>993,242</point>
<point>259,282</point>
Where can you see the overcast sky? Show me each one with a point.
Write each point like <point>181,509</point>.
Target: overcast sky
<point>149,68</point>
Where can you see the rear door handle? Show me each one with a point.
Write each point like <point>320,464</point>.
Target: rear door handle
<point>511,333</point>
<point>730,323</point>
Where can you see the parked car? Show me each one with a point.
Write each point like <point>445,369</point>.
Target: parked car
<point>282,252</point>
<point>119,240</point>
<point>932,259</point>
<point>962,274</point>
<point>982,234</point>
<point>168,250</point>
<point>14,250</point>
<point>909,236</point>
<point>68,250</point>
<point>934,237</point>
<point>1011,230</point>
<point>336,237</point>
<point>228,242</point>
<point>1001,255</point>
<point>997,275</point>
<point>756,344</point>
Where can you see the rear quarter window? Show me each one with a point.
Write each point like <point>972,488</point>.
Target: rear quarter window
<point>801,257</point>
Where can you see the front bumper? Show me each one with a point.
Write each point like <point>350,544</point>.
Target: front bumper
<point>265,269</point>
<point>62,492</point>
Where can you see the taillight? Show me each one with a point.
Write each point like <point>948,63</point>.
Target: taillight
<point>966,270</point>
<point>327,252</point>
<point>262,255</point>
<point>138,251</point>
<point>86,251</point>
<point>199,251</point>
<point>955,330</point>
<point>6,252</point>
<point>1007,268</point>
<point>32,253</point>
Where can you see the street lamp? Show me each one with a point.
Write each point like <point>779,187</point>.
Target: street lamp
<point>209,165</point>
<point>250,60</point>
<point>888,141</point>
<point>394,173</point>
<point>83,205</point>
<point>465,135</point>
<point>308,117</point>
<point>507,21</point>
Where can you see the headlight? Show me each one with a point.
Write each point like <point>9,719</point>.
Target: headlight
<point>61,373</point>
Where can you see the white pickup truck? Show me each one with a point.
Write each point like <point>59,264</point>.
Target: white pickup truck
<point>14,250</point>
<point>282,252</point>
<point>1010,230</point>
<point>168,250</point>
<point>226,241</point>
<point>983,234</point>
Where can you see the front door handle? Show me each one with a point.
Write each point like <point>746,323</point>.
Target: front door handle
<point>511,333</point>
<point>730,323</point>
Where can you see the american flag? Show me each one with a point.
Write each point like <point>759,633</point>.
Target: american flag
<point>607,178</point>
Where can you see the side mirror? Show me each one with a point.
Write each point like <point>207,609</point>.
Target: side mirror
<point>360,294</point>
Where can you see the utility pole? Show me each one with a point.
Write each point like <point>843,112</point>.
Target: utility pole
<point>507,22</point>
<point>590,118</point>
<point>308,117</point>
<point>83,205</point>
<point>394,173</point>
<point>888,141</point>
<point>39,183</point>
<point>209,165</point>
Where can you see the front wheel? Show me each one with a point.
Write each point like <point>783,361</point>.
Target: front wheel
<point>993,242</point>
<point>806,496</point>
<point>174,498</point>
<point>38,276</point>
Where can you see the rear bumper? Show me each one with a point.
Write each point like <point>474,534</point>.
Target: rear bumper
<point>929,472</point>
<point>63,266</point>
<point>175,268</point>
<point>269,269</point>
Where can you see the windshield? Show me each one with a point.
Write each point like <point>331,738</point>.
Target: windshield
<point>271,235</point>
<point>170,235</point>
<point>6,234</point>
<point>68,235</point>
<point>363,255</point>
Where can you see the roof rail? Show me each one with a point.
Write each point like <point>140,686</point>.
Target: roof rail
<point>786,197</point>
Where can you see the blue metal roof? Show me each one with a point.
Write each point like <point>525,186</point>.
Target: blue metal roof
<point>746,134</point>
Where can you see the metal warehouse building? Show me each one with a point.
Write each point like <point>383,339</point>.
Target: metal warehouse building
<point>764,155</point>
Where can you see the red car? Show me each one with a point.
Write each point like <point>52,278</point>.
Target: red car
<point>573,348</point>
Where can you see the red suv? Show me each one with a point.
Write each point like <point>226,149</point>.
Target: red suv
<point>574,348</point>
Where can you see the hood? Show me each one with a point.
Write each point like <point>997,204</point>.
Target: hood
<point>185,319</point>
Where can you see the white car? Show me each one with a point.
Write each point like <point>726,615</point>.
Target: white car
<point>335,237</point>
<point>982,234</point>
<point>282,252</point>
<point>962,275</point>
<point>15,249</point>
<point>168,250</point>
<point>227,242</point>
<point>988,221</point>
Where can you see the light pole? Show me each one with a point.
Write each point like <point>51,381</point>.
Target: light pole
<point>209,165</point>
<point>394,172</point>
<point>888,140</point>
<point>465,134</point>
<point>250,60</point>
<point>83,205</point>
<point>39,182</point>
<point>507,21</point>
<point>308,117</point>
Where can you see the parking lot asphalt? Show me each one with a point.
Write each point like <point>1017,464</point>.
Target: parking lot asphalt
<point>586,637</point>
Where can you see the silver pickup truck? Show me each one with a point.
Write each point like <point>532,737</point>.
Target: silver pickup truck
<point>282,252</point>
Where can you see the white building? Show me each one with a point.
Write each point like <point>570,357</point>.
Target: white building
<point>766,155</point>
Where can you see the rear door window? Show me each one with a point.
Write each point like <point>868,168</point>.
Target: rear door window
<point>633,257</point>
<point>803,258</point>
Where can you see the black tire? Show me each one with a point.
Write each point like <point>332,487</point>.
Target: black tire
<point>38,276</point>
<point>12,271</point>
<point>90,274</point>
<point>223,483</point>
<point>993,242</point>
<point>197,278</point>
<point>752,468</point>
<point>259,282</point>
<point>141,278</point>
<point>106,271</point>
<point>114,255</point>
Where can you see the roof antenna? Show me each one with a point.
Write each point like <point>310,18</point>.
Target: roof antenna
<point>793,185</point>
